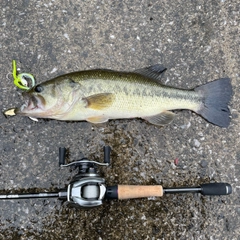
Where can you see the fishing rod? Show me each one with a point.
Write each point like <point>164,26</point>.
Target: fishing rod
<point>87,189</point>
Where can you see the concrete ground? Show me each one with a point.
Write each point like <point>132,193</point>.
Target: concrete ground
<point>198,41</point>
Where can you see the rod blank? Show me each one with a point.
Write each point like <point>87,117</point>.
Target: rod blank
<point>31,195</point>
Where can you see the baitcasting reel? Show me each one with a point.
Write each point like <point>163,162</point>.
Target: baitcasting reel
<point>87,189</point>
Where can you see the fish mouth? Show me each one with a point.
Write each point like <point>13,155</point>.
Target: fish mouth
<point>31,104</point>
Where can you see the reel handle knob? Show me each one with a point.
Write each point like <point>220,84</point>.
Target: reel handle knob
<point>62,155</point>
<point>107,150</point>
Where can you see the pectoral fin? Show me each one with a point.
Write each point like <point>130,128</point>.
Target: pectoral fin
<point>161,119</point>
<point>100,101</point>
<point>98,119</point>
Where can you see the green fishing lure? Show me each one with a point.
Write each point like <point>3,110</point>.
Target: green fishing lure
<point>21,80</point>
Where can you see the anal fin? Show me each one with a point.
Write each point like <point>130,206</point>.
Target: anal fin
<point>97,119</point>
<point>161,119</point>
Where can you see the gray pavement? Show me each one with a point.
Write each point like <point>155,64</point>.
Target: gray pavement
<point>198,41</point>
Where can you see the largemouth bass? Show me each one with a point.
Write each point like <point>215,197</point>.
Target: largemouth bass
<point>99,95</point>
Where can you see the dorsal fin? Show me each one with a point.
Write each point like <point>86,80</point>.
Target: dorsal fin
<point>154,72</point>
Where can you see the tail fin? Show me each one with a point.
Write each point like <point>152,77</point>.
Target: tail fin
<point>216,97</point>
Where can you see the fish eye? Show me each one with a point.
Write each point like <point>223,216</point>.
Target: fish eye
<point>38,88</point>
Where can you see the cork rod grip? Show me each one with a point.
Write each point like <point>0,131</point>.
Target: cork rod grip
<point>135,191</point>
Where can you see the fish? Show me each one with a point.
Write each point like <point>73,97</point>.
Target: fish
<point>102,94</point>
